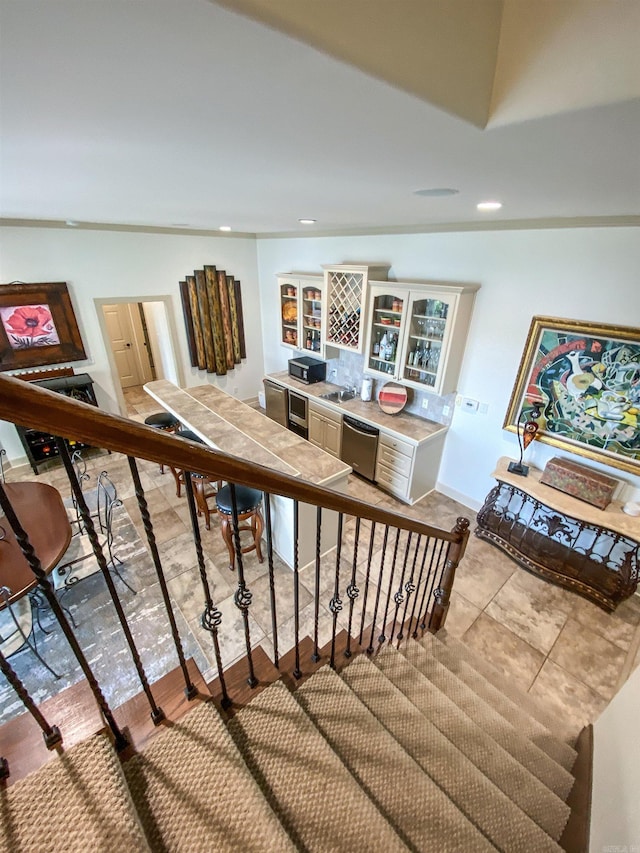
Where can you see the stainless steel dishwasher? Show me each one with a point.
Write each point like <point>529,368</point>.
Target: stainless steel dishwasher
<point>276,402</point>
<point>359,447</point>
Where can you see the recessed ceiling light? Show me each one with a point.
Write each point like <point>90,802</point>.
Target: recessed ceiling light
<point>71,223</point>
<point>225,228</point>
<point>437,192</point>
<point>489,205</point>
<point>307,221</point>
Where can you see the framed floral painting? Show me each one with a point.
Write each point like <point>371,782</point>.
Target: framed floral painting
<point>37,326</point>
<point>585,378</point>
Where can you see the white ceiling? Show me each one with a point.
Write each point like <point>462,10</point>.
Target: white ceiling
<point>181,112</point>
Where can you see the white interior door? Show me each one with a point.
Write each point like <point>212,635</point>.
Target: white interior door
<point>120,331</point>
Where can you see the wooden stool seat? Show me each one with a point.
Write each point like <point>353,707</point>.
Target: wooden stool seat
<point>248,503</point>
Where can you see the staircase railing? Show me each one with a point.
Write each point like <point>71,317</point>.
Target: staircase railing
<point>391,574</point>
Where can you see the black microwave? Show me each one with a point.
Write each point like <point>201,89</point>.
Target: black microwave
<point>307,369</point>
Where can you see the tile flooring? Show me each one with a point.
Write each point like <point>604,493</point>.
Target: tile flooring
<point>559,647</point>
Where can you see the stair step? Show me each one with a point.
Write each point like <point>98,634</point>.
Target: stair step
<point>193,791</point>
<point>318,801</point>
<point>478,716</point>
<point>510,710</point>
<point>77,802</point>
<point>497,678</point>
<point>486,806</point>
<point>418,810</point>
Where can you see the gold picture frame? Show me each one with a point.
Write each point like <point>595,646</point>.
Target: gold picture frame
<point>586,378</point>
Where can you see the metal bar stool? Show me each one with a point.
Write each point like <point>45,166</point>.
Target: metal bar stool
<point>166,422</point>
<point>248,502</point>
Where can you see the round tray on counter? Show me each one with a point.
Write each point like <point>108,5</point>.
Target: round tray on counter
<point>392,398</point>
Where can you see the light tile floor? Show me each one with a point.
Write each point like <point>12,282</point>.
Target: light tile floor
<point>554,644</point>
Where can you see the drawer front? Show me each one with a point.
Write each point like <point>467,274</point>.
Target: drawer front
<point>392,481</point>
<point>396,461</point>
<point>396,444</point>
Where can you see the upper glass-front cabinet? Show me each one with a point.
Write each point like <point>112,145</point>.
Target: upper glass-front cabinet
<point>300,311</point>
<point>385,332</point>
<point>416,334</point>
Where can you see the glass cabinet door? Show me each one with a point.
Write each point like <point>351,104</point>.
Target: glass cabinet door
<point>311,317</point>
<point>384,338</point>
<point>288,312</point>
<point>427,329</point>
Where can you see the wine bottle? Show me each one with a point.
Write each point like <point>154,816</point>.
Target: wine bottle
<point>383,347</point>
<point>376,344</point>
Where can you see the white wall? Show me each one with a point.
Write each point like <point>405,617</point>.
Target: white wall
<point>615,816</point>
<point>158,330</point>
<point>108,264</point>
<point>582,274</point>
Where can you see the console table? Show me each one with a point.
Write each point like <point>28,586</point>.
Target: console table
<point>593,552</point>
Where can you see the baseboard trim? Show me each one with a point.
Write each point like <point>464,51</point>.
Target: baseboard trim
<point>575,838</point>
<point>461,498</point>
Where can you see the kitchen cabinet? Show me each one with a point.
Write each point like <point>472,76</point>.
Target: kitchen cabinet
<point>346,288</point>
<point>325,428</point>
<point>408,471</point>
<point>300,300</point>
<point>416,333</point>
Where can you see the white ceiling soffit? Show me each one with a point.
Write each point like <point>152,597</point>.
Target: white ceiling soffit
<point>489,62</point>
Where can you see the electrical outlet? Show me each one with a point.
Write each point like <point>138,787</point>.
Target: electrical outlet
<point>458,399</point>
<point>445,411</point>
<point>425,403</point>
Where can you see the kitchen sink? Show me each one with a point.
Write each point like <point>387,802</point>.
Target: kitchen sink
<point>340,396</point>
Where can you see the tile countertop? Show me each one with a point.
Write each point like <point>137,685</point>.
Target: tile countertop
<point>227,424</point>
<point>406,427</point>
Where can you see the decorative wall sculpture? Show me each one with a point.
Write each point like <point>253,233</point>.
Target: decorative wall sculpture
<point>37,325</point>
<point>212,306</point>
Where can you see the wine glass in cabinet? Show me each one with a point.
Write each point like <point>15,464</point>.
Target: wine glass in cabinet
<point>426,342</point>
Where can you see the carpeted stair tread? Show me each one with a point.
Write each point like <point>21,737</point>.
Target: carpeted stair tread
<point>318,801</point>
<point>492,724</point>
<point>414,805</point>
<point>524,700</point>
<point>194,792</point>
<point>493,813</point>
<point>517,716</point>
<point>76,802</point>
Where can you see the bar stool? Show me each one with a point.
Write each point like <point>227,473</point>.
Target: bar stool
<point>165,422</point>
<point>204,488</point>
<point>248,503</point>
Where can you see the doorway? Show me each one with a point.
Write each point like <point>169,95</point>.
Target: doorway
<point>139,339</point>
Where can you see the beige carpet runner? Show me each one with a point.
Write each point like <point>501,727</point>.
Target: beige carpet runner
<point>412,750</point>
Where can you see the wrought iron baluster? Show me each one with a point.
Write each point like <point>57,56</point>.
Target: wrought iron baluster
<point>51,734</point>
<point>335,605</point>
<point>190,689</point>
<point>398,598</point>
<point>316,615</point>
<point>272,587</point>
<point>352,589</point>
<point>35,565</point>
<point>211,617</point>
<point>378,589</point>
<point>242,597</point>
<point>417,595</point>
<point>382,636</point>
<point>157,714</point>
<point>409,588</point>
<point>428,584</point>
<point>297,673</point>
<point>366,582</point>
<point>442,562</point>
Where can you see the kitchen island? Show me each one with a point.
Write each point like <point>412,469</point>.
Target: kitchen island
<point>228,425</point>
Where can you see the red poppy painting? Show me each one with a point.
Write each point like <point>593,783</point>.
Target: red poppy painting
<point>29,326</point>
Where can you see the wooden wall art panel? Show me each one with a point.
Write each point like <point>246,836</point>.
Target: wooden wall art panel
<point>212,308</point>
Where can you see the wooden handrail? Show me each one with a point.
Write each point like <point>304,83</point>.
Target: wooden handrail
<point>39,408</point>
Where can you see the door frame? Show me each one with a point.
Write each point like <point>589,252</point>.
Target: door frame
<point>171,325</point>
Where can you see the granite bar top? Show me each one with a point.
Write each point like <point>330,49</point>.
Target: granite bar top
<point>226,424</point>
<point>406,427</point>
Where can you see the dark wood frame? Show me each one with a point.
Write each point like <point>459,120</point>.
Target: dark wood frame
<point>56,296</point>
